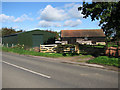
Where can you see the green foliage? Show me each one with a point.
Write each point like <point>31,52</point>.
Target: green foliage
<point>19,46</point>
<point>99,44</point>
<point>60,48</point>
<point>106,61</point>
<point>83,52</point>
<point>50,40</point>
<point>64,54</point>
<point>112,45</point>
<point>108,14</point>
<point>9,31</point>
<point>95,46</point>
<point>115,45</point>
<point>94,50</point>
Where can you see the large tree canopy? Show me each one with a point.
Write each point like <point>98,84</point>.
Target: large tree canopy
<point>108,14</point>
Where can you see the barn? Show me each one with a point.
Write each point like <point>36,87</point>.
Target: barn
<point>30,38</point>
<point>84,36</point>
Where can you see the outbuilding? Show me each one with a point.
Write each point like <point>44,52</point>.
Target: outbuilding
<point>30,38</point>
<point>83,36</point>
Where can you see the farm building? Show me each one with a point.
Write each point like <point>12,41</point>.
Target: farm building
<point>30,39</point>
<point>92,36</point>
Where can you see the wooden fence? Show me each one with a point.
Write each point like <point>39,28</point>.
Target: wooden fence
<point>53,49</point>
<point>48,48</point>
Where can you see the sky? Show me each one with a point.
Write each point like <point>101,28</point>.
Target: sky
<point>53,16</point>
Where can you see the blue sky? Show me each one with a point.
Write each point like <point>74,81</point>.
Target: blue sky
<point>54,16</point>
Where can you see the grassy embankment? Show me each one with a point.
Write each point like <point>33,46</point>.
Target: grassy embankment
<point>105,60</point>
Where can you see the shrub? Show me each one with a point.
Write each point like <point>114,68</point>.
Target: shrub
<point>60,48</point>
<point>115,45</point>
<point>64,54</point>
<point>96,53</point>
<point>99,44</point>
<point>19,46</point>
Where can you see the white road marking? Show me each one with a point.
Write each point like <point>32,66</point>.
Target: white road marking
<point>94,65</point>
<point>25,69</point>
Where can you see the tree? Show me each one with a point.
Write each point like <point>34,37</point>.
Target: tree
<point>7,31</point>
<point>108,14</point>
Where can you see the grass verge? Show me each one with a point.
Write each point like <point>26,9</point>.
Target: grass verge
<point>106,61</point>
<point>26,52</point>
<point>85,56</point>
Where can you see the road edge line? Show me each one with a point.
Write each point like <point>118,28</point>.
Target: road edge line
<point>25,69</point>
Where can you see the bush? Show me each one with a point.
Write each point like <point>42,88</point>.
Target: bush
<point>19,46</point>
<point>83,52</point>
<point>106,61</point>
<point>115,45</point>
<point>99,44</point>
<point>64,54</point>
<point>60,48</point>
<point>112,45</point>
<point>96,53</point>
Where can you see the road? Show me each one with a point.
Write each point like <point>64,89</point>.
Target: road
<point>19,71</point>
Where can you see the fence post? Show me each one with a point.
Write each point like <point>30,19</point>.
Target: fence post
<point>12,45</point>
<point>7,44</point>
<point>23,46</point>
<point>117,52</point>
<point>77,48</point>
<point>40,47</point>
<point>109,52</point>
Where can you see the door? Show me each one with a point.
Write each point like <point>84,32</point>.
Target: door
<point>37,40</point>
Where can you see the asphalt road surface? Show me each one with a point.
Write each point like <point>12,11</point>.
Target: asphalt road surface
<point>19,71</point>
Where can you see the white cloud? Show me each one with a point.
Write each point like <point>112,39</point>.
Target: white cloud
<point>44,23</point>
<point>53,14</point>
<point>69,5</point>
<point>23,18</point>
<point>40,11</point>
<point>74,13</point>
<point>72,23</point>
<point>6,18</point>
<point>49,15</point>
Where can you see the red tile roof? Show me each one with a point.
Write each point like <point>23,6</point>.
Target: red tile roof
<point>83,33</point>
